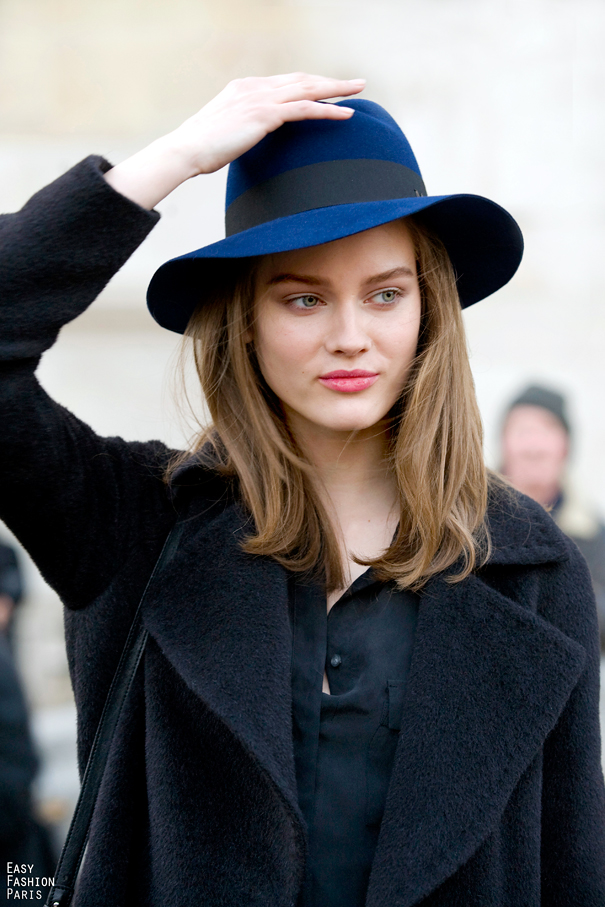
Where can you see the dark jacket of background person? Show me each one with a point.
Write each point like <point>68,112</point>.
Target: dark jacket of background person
<point>23,840</point>
<point>18,762</point>
<point>10,575</point>
<point>11,589</point>
<point>588,532</point>
<point>496,796</point>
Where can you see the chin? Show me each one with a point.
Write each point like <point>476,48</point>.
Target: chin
<point>350,423</point>
<point>350,416</point>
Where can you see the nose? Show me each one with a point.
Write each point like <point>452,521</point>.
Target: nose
<point>347,332</point>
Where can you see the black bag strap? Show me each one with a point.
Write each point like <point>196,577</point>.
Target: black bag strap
<point>68,867</point>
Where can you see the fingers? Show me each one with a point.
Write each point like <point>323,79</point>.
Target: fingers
<point>316,88</point>
<point>312,110</point>
<point>274,100</point>
<point>335,87</point>
<point>294,96</point>
<point>248,109</point>
<point>296,86</point>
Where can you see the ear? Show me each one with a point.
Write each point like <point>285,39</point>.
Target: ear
<point>248,336</point>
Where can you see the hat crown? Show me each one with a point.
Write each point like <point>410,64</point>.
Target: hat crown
<point>370,134</point>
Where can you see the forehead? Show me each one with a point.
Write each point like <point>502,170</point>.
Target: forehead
<point>527,416</point>
<point>373,251</point>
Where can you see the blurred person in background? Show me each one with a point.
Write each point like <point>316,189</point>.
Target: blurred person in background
<point>23,840</point>
<point>535,449</point>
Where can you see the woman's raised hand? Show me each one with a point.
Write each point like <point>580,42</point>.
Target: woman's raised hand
<point>247,109</point>
<point>234,121</point>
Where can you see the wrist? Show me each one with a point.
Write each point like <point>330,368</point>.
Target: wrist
<point>153,173</point>
<point>170,156</point>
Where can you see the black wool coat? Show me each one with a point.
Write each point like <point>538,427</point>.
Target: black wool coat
<point>496,797</point>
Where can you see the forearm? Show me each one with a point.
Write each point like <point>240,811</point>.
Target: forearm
<point>62,489</point>
<point>58,253</point>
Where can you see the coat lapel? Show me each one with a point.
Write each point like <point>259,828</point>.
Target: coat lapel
<point>221,618</point>
<point>487,683</point>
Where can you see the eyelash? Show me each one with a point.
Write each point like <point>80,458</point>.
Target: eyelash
<point>293,299</point>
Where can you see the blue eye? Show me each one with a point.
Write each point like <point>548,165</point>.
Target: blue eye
<point>387,296</point>
<point>307,302</point>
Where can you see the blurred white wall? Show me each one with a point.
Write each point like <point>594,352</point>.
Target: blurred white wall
<point>498,97</point>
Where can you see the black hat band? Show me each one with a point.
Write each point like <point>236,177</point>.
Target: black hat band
<point>320,186</point>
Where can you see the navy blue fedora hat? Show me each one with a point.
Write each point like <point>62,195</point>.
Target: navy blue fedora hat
<point>315,181</point>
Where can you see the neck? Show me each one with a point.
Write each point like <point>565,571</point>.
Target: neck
<point>357,488</point>
<point>350,466</point>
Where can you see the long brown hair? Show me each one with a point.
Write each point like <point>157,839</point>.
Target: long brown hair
<point>435,436</point>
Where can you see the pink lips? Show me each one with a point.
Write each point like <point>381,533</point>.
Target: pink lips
<point>354,380</point>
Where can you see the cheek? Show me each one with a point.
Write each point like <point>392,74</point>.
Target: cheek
<point>279,339</point>
<point>400,343</point>
<point>560,450</point>
<point>520,445</point>
<point>282,352</point>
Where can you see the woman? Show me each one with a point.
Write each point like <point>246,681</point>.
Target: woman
<point>305,730</point>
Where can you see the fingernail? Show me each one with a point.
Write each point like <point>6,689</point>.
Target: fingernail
<point>348,109</point>
<point>358,81</point>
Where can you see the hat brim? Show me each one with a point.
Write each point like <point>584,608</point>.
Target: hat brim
<point>483,241</point>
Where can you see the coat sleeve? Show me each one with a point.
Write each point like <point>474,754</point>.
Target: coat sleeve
<point>573,794</point>
<point>67,494</point>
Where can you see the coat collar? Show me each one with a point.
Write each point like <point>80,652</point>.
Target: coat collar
<point>521,531</point>
<point>487,682</point>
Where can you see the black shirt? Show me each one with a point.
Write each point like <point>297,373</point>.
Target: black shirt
<point>344,742</point>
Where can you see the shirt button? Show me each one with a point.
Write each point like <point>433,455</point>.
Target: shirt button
<point>336,661</point>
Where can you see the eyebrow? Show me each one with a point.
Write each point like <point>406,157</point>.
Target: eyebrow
<point>402,271</point>
<point>295,278</point>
